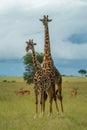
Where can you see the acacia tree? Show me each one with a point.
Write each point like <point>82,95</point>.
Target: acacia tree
<point>29,67</point>
<point>82,72</point>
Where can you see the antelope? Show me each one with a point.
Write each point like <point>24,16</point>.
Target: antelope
<point>73,92</point>
<point>22,92</point>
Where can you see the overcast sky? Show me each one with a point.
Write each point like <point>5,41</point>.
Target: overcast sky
<point>19,21</point>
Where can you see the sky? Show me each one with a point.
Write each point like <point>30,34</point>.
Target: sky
<point>19,21</point>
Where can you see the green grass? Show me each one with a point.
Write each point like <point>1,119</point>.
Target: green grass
<point>17,111</point>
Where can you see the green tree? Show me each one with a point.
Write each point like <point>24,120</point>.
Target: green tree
<point>29,67</point>
<point>82,72</point>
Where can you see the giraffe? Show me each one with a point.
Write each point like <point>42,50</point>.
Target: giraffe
<point>42,81</point>
<point>48,64</point>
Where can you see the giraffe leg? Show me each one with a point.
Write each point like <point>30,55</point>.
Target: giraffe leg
<point>59,95</point>
<point>57,107</point>
<point>55,98</point>
<point>50,92</point>
<point>44,99</point>
<point>51,100</point>
<point>36,96</point>
<point>62,108</point>
<point>41,103</point>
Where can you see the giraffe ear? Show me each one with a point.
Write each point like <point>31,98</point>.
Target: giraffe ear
<point>49,20</point>
<point>40,19</point>
<point>27,42</point>
<point>34,43</point>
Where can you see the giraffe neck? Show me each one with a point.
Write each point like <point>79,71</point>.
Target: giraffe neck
<point>47,60</point>
<point>35,61</point>
<point>46,40</point>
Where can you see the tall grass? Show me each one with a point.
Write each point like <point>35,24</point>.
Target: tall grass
<point>17,111</point>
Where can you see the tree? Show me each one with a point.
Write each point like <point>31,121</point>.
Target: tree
<point>82,72</point>
<point>29,67</point>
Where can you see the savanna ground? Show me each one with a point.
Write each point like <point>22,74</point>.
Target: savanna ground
<point>17,111</point>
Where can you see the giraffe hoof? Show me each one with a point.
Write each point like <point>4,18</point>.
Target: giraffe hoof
<point>50,115</point>
<point>41,115</point>
<point>58,113</point>
<point>62,114</point>
<point>35,116</point>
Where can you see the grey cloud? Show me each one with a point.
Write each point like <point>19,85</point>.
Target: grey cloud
<point>79,38</point>
<point>21,22</point>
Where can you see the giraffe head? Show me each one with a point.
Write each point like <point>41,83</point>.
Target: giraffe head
<point>45,20</point>
<point>30,45</point>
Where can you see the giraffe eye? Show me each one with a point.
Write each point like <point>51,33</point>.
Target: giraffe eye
<point>45,80</point>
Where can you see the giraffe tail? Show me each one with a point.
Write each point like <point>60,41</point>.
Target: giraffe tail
<point>58,95</point>
<point>45,95</point>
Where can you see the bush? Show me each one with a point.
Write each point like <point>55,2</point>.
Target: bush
<point>5,80</point>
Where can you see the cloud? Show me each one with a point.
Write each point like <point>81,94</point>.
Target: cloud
<point>19,21</point>
<point>66,50</point>
<point>78,38</point>
<point>24,4</point>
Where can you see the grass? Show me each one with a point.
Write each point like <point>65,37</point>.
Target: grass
<point>17,111</point>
